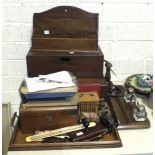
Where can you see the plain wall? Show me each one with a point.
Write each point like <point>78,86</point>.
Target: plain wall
<point>125,37</point>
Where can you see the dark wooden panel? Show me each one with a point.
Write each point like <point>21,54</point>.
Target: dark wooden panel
<point>46,44</point>
<point>66,11</point>
<point>81,64</point>
<point>68,27</point>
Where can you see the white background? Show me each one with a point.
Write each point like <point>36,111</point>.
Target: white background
<point>125,37</point>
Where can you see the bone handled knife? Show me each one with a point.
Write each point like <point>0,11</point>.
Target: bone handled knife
<point>51,133</point>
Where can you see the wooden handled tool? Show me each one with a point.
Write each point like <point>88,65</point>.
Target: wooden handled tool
<point>51,133</point>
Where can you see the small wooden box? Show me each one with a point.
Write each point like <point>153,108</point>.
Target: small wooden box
<point>88,102</point>
<point>46,118</point>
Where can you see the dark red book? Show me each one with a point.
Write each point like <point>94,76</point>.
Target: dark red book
<point>89,88</point>
<point>89,85</point>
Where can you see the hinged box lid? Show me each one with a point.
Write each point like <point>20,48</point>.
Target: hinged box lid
<point>65,28</point>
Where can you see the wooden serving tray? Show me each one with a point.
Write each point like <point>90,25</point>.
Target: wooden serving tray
<point>18,143</point>
<point>124,114</point>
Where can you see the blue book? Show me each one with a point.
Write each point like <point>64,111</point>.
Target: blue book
<point>46,96</point>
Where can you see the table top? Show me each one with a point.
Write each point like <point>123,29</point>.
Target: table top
<point>134,141</point>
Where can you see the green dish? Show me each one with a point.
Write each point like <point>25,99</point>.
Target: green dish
<point>133,81</point>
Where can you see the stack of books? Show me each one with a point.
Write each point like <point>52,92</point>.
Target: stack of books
<point>40,94</point>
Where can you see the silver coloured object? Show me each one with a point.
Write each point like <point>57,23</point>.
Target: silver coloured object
<point>130,96</point>
<point>139,113</point>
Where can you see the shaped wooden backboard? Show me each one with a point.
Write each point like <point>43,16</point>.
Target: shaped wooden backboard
<point>65,28</point>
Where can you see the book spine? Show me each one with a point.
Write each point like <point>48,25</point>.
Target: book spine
<point>45,96</point>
